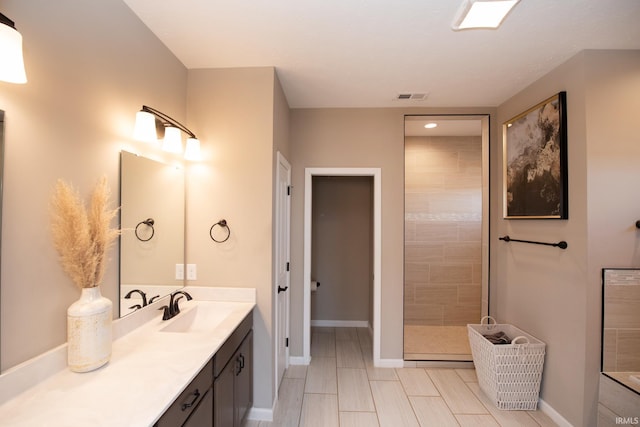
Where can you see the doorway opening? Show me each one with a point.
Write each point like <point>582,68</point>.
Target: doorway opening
<point>376,253</point>
<point>341,251</point>
<point>446,234</point>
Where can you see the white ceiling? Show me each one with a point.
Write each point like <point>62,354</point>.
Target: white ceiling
<point>363,53</point>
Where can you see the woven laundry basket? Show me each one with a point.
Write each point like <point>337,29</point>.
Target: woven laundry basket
<point>509,374</point>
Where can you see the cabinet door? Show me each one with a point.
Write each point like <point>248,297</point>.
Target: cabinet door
<point>202,416</point>
<point>189,399</point>
<point>223,413</point>
<point>243,385</point>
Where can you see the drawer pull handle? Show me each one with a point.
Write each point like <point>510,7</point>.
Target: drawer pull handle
<point>187,405</point>
<point>238,366</point>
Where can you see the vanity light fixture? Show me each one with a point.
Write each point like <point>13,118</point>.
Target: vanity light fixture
<point>153,125</point>
<point>11,61</point>
<point>431,125</point>
<point>482,13</point>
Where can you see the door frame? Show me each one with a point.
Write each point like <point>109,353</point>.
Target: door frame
<point>280,159</point>
<point>376,173</point>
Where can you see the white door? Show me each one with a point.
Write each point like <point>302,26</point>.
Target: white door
<point>283,225</point>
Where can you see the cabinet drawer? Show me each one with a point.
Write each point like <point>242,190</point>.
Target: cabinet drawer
<point>184,404</point>
<point>224,354</point>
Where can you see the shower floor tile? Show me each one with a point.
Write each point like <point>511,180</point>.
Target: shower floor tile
<point>436,343</point>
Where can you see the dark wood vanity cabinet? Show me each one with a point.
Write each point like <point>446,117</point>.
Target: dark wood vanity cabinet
<point>192,403</point>
<point>233,373</point>
<point>222,393</point>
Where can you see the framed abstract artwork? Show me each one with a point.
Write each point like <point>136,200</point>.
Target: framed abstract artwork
<point>535,162</point>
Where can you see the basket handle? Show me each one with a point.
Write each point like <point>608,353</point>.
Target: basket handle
<point>522,347</point>
<point>489,324</point>
<point>520,337</point>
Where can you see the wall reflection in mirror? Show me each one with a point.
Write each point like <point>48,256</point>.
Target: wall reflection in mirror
<point>152,196</point>
<point>621,326</point>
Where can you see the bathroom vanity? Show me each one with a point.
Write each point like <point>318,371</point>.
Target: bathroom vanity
<point>192,370</point>
<point>222,392</point>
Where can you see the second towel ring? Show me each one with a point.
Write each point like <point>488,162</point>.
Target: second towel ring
<point>222,223</point>
<point>149,222</point>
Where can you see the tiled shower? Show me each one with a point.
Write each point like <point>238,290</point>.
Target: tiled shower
<point>443,236</point>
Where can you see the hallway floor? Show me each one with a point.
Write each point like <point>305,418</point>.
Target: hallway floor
<point>342,388</point>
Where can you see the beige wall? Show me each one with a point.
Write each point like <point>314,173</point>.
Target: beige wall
<point>233,111</point>
<point>341,252</point>
<point>91,66</point>
<point>553,294</point>
<point>357,138</point>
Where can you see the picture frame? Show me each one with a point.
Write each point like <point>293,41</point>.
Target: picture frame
<point>535,162</point>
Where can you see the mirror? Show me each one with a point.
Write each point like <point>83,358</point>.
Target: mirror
<point>1,164</point>
<point>621,326</point>
<point>152,200</point>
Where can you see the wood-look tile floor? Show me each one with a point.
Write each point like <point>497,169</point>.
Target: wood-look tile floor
<point>342,388</point>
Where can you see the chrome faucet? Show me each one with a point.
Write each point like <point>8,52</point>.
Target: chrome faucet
<point>173,308</point>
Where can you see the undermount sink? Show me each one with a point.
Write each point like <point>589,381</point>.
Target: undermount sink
<point>202,317</point>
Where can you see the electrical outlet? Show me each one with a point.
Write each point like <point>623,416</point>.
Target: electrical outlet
<point>191,272</point>
<point>179,271</point>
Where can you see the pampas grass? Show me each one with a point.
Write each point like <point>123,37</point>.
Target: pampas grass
<point>82,237</point>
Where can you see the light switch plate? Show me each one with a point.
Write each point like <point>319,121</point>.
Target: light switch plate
<point>191,272</point>
<point>179,271</point>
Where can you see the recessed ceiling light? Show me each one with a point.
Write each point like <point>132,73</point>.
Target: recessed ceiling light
<point>482,13</point>
<point>431,125</point>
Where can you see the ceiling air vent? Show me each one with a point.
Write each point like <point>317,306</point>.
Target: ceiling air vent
<point>411,96</point>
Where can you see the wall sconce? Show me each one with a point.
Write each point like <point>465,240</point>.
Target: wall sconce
<point>11,61</point>
<point>153,125</point>
<point>482,13</point>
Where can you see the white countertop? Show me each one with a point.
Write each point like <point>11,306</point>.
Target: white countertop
<point>147,371</point>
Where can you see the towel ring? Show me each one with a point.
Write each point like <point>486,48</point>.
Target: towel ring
<point>221,223</point>
<point>149,222</point>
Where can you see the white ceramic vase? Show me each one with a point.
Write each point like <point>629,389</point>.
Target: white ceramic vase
<point>89,331</point>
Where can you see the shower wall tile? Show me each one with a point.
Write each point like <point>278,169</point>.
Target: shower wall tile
<point>424,252</point>
<point>409,231</point>
<point>443,235</point>
<point>628,356</point>
<point>436,294</point>
<point>420,181</point>
<point>424,314</point>
<point>439,231</point>
<point>457,273</point>
<point>469,295</point>
<point>470,231</point>
<point>477,274</point>
<point>622,327</point>
<point>416,273</point>
<point>467,251</point>
<point>461,314</point>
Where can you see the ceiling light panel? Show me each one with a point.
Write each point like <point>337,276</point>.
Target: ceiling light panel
<point>482,13</point>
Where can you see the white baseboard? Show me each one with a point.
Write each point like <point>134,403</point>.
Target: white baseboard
<point>553,414</point>
<point>438,364</point>
<point>299,360</point>
<point>388,363</point>
<point>260,414</point>
<point>340,323</point>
